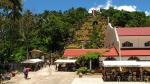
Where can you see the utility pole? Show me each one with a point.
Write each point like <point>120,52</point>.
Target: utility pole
<point>90,64</point>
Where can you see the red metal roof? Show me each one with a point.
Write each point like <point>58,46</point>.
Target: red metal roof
<point>111,52</point>
<point>141,52</point>
<point>79,52</point>
<point>133,31</point>
<point>107,52</point>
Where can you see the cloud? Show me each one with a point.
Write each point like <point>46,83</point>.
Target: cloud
<point>130,8</point>
<point>147,13</point>
<point>108,4</point>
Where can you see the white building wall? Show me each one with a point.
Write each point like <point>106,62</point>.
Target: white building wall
<point>111,38</point>
<point>138,41</point>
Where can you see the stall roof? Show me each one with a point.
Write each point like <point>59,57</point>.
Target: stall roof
<point>126,63</point>
<point>32,61</point>
<point>65,61</point>
<point>120,64</point>
<point>144,63</point>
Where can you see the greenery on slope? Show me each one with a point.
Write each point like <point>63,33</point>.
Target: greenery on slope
<point>53,31</point>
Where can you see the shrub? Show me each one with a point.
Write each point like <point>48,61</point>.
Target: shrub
<point>82,70</point>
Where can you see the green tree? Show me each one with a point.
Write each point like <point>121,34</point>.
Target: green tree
<point>124,18</point>
<point>52,26</point>
<point>11,11</point>
<point>76,16</point>
<point>147,22</point>
<point>88,57</point>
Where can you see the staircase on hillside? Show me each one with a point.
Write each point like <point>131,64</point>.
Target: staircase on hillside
<point>91,25</point>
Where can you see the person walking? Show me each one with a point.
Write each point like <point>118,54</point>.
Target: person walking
<point>26,71</point>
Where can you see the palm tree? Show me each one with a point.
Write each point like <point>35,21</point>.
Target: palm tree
<point>16,9</point>
<point>13,7</point>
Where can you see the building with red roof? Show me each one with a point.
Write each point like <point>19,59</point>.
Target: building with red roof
<point>133,31</point>
<point>78,52</point>
<point>121,44</point>
<point>129,41</point>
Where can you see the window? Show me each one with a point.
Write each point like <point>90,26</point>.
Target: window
<point>147,43</point>
<point>127,44</point>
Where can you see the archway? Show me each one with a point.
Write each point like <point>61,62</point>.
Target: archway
<point>95,23</point>
<point>134,58</point>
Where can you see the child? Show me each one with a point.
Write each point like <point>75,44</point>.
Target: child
<point>26,71</point>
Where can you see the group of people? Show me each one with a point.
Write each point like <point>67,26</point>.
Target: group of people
<point>5,76</point>
<point>125,76</point>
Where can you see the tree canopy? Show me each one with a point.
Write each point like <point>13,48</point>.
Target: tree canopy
<point>87,57</point>
<point>52,31</point>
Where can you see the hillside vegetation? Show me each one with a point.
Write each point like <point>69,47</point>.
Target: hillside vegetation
<point>53,31</point>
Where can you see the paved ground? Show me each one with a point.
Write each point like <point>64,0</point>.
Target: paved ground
<point>44,76</point>
<point>50,76</point>
<point>100,81</point>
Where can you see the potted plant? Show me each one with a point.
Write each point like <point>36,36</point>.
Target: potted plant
<point>81,71</point>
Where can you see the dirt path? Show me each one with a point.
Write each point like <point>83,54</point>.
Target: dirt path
<point>45,76</point>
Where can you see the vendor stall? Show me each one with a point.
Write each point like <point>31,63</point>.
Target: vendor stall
<point>120,64</point>
<point>65,64</point>
<point>126,70</point>
<point>34,64</point>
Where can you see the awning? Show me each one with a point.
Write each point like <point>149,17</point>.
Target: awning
<point>120,64</point>
<point>126,63</point>
<point>65,61</point>
<point>144,63</point>
<point>32,61</point>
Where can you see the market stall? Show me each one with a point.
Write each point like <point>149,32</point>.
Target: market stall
<point>34,64</point>
<point>126,70</point>
<point>65,64</point>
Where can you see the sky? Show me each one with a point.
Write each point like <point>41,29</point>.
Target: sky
<point>38,6</point>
